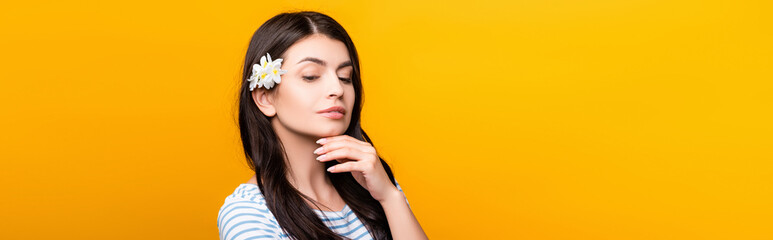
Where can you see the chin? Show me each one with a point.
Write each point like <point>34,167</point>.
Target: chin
<point>333,132</point>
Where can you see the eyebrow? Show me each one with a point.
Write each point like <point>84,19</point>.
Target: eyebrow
<point>320,62</point>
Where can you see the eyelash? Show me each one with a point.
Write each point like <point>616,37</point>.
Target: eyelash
<point>309,78</point>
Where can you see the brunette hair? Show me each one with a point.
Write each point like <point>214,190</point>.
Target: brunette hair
<point>265,152</point>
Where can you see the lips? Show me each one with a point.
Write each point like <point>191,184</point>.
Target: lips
<point>338,109</point>
<point>335,112</point>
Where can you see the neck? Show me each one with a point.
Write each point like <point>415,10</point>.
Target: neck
<point>304,171</point>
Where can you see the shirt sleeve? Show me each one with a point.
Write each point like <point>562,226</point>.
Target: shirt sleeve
<point>401,190</point>
<point>242,220</point>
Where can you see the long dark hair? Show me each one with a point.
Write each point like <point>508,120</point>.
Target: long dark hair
<point>265,152</point>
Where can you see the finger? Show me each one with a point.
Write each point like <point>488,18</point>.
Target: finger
<point>339,144</point>
<point>341,138</point>
<point>364,146</point>
<point>360,142</point>
<point>342,153</point>
<point>352,166</point>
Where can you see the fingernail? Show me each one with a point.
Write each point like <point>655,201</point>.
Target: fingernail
<point>330,168</point>
<point>319,150</point>
<point>321,141</point>
<point>321,157</point>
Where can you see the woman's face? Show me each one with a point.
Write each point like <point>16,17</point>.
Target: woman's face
<point>319,76</point>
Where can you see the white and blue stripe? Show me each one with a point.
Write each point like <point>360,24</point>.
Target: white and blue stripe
<point>244,215</point>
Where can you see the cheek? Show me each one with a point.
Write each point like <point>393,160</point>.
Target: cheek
<point>350,97</point>
<point>296,100</point>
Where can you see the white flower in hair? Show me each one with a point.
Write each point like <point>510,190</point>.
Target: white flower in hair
<point>267,74</point>
<point>257,71</point>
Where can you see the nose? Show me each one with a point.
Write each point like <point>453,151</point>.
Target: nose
<point>335,88</point>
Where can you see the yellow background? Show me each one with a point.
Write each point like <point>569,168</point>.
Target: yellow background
<point>512,119</point>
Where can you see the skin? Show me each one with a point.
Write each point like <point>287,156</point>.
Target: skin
<point>309,87</point>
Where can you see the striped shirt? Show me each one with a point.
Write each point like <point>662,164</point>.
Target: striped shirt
<point>244,215</point>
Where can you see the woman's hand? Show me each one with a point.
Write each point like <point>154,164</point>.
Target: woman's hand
<point>361,160</point>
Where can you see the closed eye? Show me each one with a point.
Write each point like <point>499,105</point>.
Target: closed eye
<point>311,78</point>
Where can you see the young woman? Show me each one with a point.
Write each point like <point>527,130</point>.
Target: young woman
<point>317,174</point>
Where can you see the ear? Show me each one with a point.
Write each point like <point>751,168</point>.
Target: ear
<point>265,101</point>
